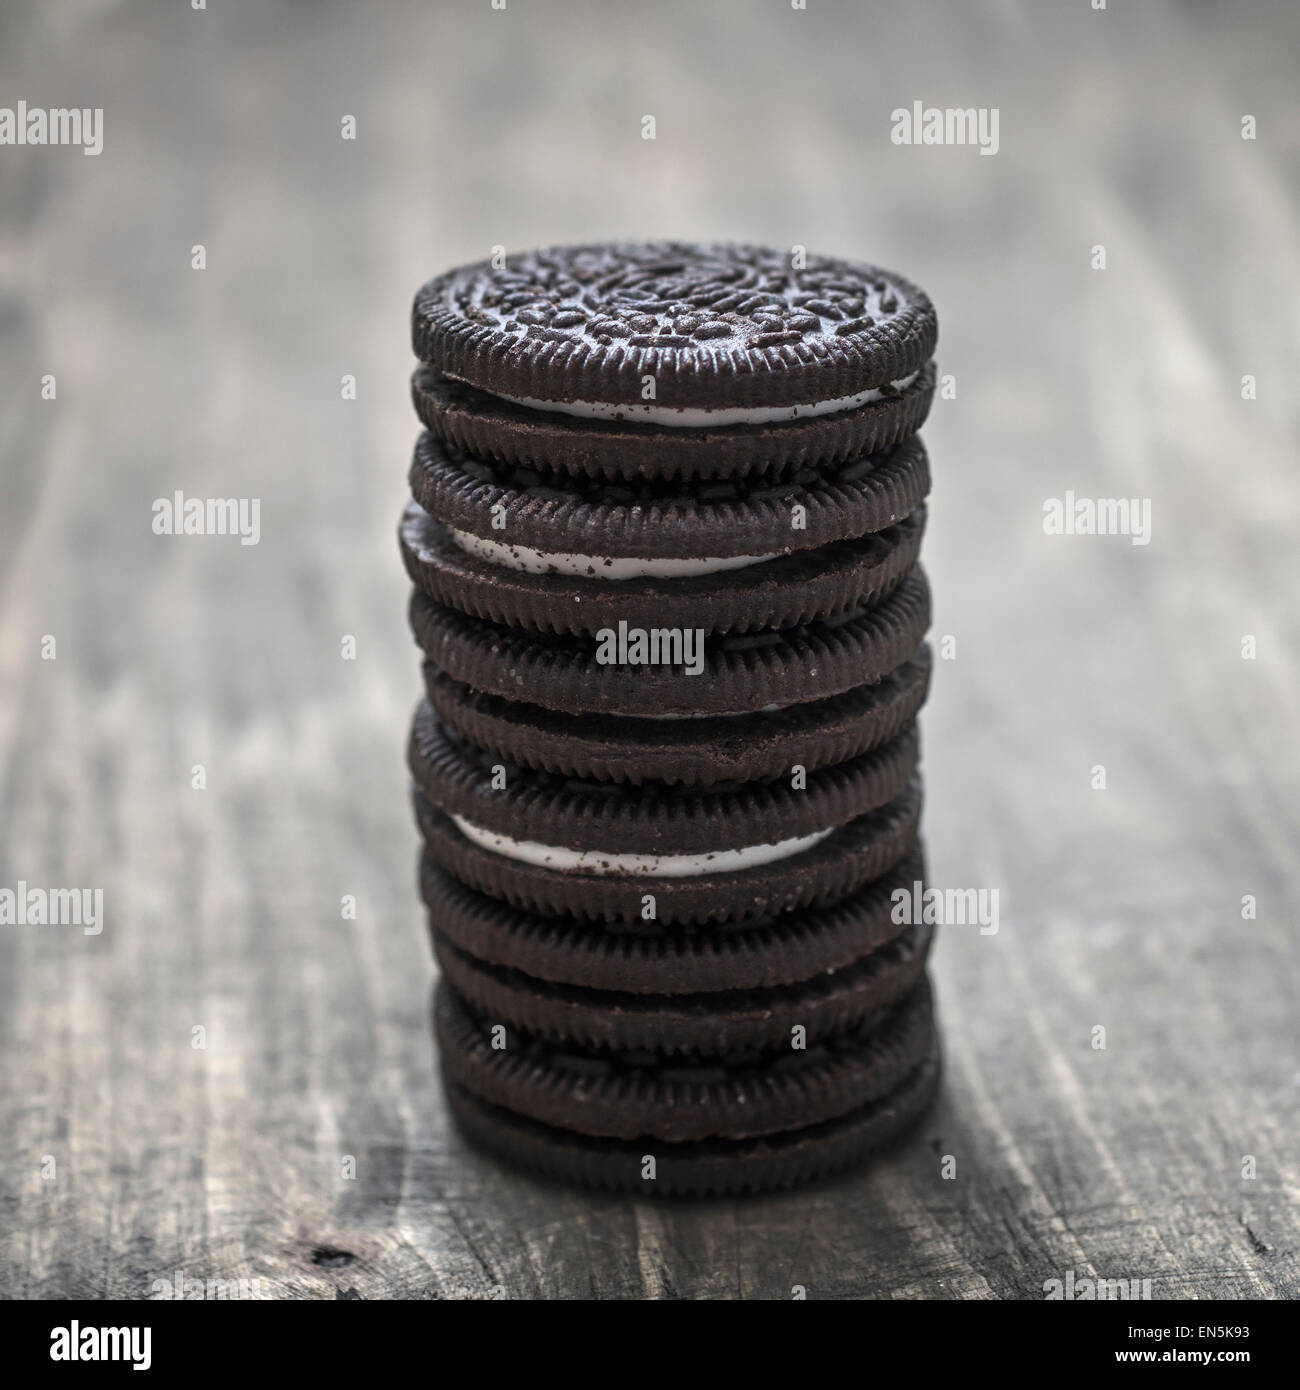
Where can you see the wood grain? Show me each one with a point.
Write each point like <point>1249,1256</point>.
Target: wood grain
<point>1119,908</point>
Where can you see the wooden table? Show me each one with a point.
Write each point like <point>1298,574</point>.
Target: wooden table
<point>126,1151</point>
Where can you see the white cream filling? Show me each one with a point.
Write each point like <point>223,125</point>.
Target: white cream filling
<point>523,557</point>
<point>709,714</point>
<point>599,861</point>
<point>697,417</point>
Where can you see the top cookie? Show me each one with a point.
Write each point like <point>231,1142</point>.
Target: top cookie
<point>678,335</point>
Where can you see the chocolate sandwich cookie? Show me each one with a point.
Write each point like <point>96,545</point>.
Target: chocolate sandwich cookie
<point>682,339</point>
<point>620,1094</point>
<point>690,752</point>
<point>810,870</point>
<point>711,1023</point>
<point>674,672</point>
<point>649,957</point>
<point>780,591</point>
<point>597,827</point>
<point>589,527</point>
<point>703,1168</point>
<point>724,557</point>
<point>599,848</point>
<point>713,1169</point>
<point>486,426</point>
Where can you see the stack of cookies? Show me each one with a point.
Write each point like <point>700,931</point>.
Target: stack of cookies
<point>664,538</point>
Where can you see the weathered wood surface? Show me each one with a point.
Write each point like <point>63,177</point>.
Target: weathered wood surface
<point>1119,908</point>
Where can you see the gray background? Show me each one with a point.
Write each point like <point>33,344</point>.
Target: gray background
<point>475,127</point>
